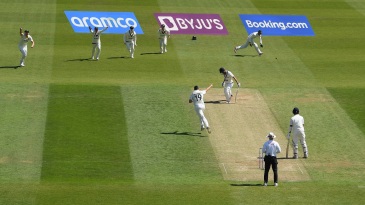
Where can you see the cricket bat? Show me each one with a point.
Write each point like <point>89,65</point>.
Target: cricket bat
<point>287,150</point>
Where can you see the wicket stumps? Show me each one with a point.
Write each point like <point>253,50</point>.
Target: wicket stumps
<point>261,159</point>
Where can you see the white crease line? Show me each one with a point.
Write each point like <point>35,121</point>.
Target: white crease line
<point>224,167</point>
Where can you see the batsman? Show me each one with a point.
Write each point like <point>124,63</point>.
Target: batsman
<point>297,129</point>
<point>228,83</point>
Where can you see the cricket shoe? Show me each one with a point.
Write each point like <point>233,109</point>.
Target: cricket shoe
<point>209,131</point>
<point>22,65</point>
<point>305,155</point>
<point>260,54</point>
<point>276,184</point>
<point>295,156</point>
<point>265,184</point>
<point>202,128</point>
<point>235,50</point>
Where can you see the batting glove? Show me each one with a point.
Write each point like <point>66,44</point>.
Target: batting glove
<point>239,84</point>
<point>261,45</point>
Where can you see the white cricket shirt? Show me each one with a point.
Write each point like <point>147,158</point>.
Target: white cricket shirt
<point>297,122</point>
<point>24,40</point>
<point>198,98</point>
<point>255,35</point>
<point>163,34</point>
<point>228,77</point>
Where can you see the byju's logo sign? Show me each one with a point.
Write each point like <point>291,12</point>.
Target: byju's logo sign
<point>277,25</point>
<point>209,24</point>
<point>118,22</point>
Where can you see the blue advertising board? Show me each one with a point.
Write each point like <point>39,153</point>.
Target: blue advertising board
<point>277,25</point>
<point>118,22</point>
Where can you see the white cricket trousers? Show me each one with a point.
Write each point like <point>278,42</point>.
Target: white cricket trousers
<point>228,91</point>
<point>97,48</point>
<point>299,135</point>
<point>248,43</point>
<point>163,45</point>
<point>130,48</point>
<point>203,121</point>
<point>24,51</point>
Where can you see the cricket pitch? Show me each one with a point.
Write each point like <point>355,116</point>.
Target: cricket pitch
<point>239,130</point>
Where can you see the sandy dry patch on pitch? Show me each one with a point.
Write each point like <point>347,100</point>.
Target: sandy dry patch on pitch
<point>239,130</point>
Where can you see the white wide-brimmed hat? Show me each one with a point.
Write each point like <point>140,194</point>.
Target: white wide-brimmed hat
<point>271,134</point>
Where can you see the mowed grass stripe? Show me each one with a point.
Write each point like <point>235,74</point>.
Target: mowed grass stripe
<point>167,146</point>
<point>85,137</point>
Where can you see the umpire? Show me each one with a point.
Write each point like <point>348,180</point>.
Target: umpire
<point>271,148</point>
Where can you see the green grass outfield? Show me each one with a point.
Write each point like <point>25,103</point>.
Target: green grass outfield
<point>120,130</point>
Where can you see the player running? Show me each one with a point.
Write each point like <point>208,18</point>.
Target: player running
<point>250,42</point>
<point>24,39</point>
<point>197,97</point>
<point>130,40</point>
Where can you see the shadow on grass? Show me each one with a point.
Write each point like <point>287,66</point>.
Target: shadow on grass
<point>246,184</point>
<point>245,55</point>
<point>215,102</point>
<point>80,59</point>
<point>150,53</point>
<point>198,134</point>
<point>10,66</point>
<point>118,57</point>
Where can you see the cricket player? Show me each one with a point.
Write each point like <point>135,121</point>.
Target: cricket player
<point>271,148</point>
<point>96,42</point>
<point>163,35</point>
<point>197,97</point>
<point>130,40</point>
<point>251,42</point>
<point>228,83</point>
<point>24,39</point>
<point>297,128</point>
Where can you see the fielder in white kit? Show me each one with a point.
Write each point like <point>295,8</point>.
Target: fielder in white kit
<point>130,40</point>
<point>163,35</point>
<point>250,42</point>
<point>96,42</point>
<point>197,97</point>
<point>228,83</point>
<point>297,128</point>
<point>24,39</point>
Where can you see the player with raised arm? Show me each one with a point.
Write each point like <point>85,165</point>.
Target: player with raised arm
<point>24,39</point>
<point>96,42</point>
<point>197,97</point>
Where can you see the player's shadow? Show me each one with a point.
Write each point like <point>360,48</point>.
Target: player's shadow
<point>197,134</point>
<point>10,66</point>
<point>80,59</point>
<point>151,53</point>
<point>245,56</point>
<point>118,57</point>
<point>215,101</point>
<point>246,184</point>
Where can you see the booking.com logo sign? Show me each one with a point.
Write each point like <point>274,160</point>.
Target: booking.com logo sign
<point>277,25</point>
<point>118,22</point>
